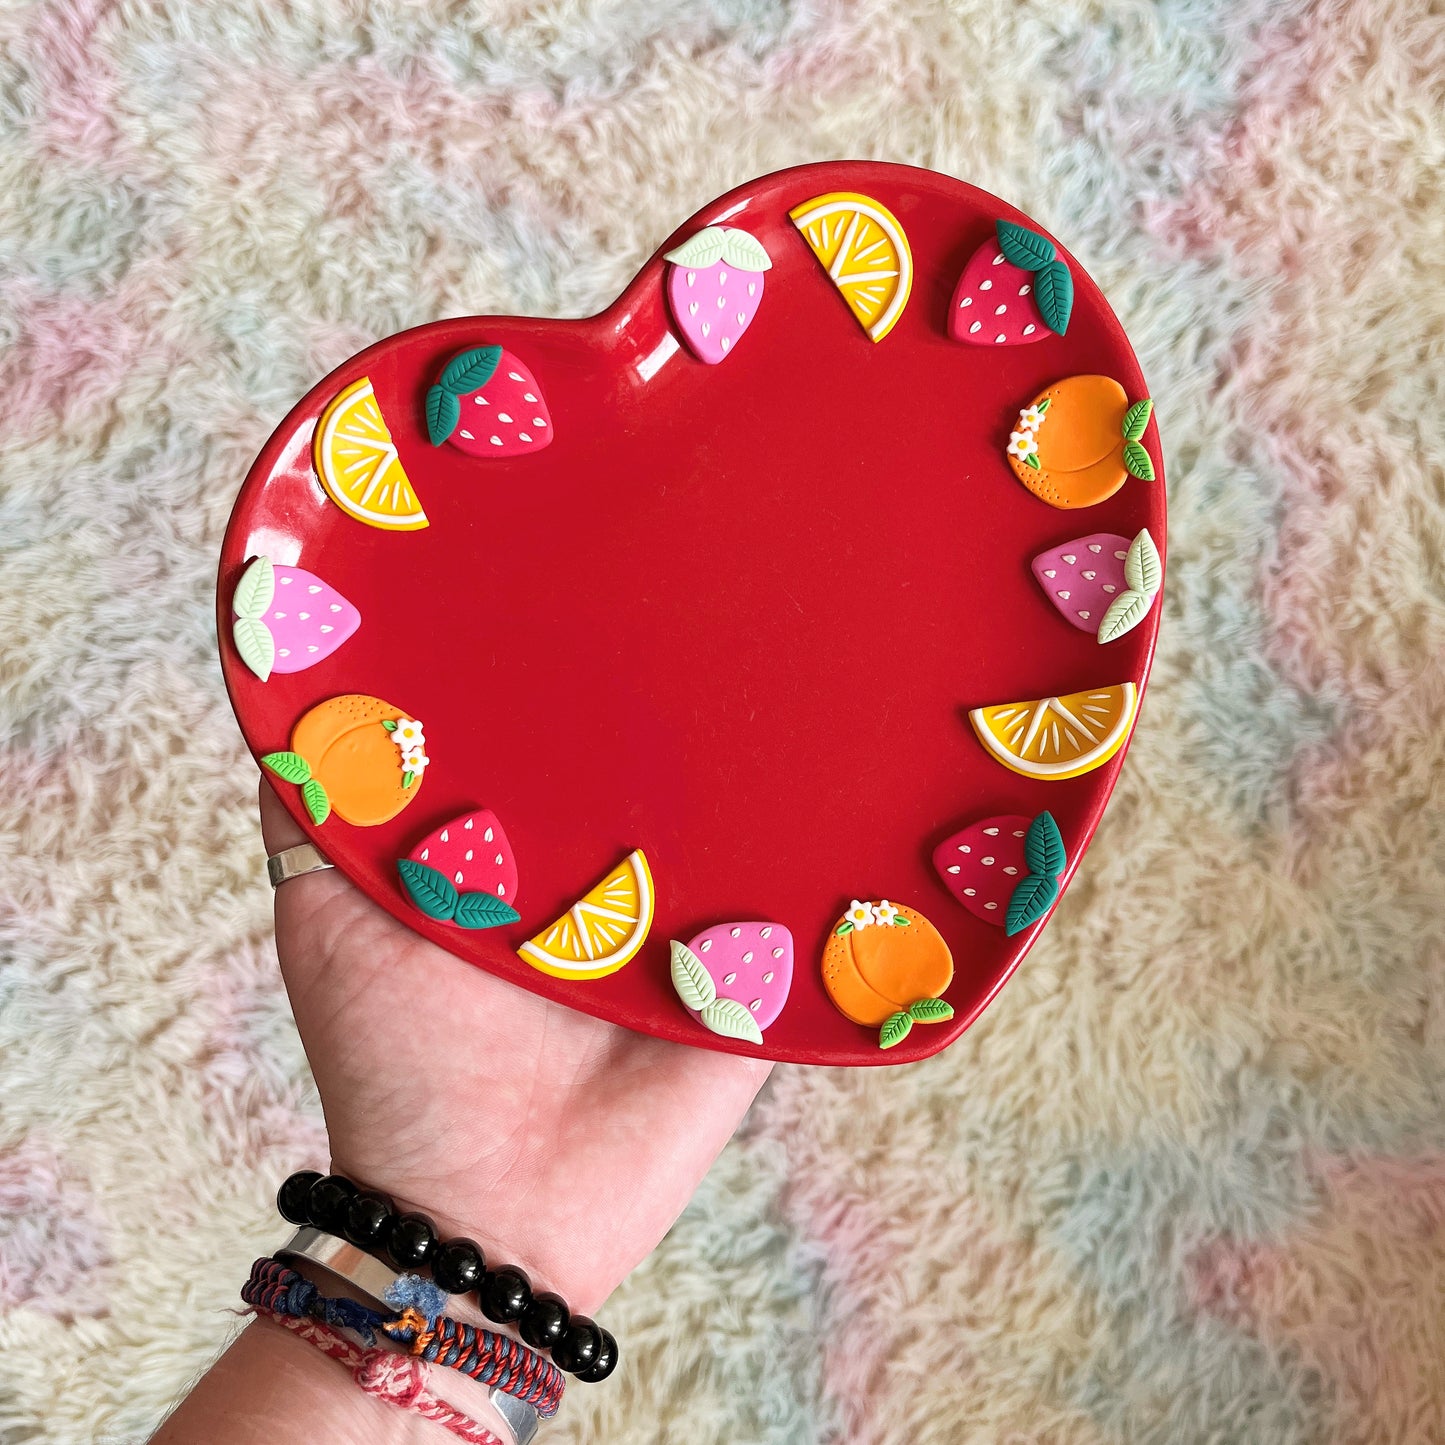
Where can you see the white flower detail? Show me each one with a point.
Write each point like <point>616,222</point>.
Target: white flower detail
<point>860,915</point>
<point>1031,418</point>
<point>408,733</point>
<point>1020,443</point>
<point>414,760</point>
<point>885,913</point>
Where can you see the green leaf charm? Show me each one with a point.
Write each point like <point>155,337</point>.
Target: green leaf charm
<point>389,724</point>
<point>1124,614</point>
<point>929,1011</point>
<point>408,778</point>
<point>903,921</point>
<point>1136,419</point>
<point>700,251</point>
<point>1044,848</point>
<point>896,1028</point>
<point>471,370</point>
<point>1043,406</point>
<point>1142,569</point>
<point>291,767</point>
<point>692,981</point>
<point>484,910</point>
<point>726,1016</point>
<point>255,591</point>
<point>431,891</point>
<point>1137,462</point>
<point>841,929</point>
<point>1033,898</point>
<point>317,803</point>
<point>254,644</point>
<point>744,252</point>
<point>443,412</point>
<point>1032,460</point>
<point>1024,248</point>
<point>1054,292</point>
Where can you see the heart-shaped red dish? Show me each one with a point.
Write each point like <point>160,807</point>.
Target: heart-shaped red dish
<point>767,635</point>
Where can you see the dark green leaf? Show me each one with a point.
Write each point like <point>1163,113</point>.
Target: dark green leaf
<point>317,803</point>
<point>929,1011</point>
<point>1044,848</point>
<point>1137,462</point>
<point>1033,898</point>
<point>1024,248</point>
<point>430,890</point>
<point>1043,405</point>
<point>1054,292</point>
<point>1136,419</point>
<point>290,766</point>
<point>472,369</point>
<point>443,412</point>
<point>484,910</point>
<point>896,1028</point>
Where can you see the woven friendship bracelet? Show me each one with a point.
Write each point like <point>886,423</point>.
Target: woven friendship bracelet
<point>490,1359</point>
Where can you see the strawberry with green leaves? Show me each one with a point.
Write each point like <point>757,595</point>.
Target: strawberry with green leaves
<point>1004,870</point>
<point>487,403</point>
<point>1015,290</point>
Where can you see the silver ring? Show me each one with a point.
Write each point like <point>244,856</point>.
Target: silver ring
<point>293,862</point>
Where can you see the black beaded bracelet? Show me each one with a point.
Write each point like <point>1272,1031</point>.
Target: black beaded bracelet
<point>410,1241</point>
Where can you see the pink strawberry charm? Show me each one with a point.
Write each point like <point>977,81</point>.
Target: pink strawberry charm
<point>1004,870</point>
<point>286,619</point>
<point>1103,583</point>
<point>715,288</point>
<point>1014,290</point>
<point>464,873</point>
<point>734,979</point>
<point>487,403</point>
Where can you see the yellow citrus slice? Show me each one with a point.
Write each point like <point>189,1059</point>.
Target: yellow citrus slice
<point>1058,737</point>
<point>865,252</point>
<point>602,931</point>
<point>357,462</point>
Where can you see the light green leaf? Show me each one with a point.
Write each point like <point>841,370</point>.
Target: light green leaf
<point>929,1011</point>
<point>1043,405</point>
<point>472,370</point>
<point>1136,419</point>
<point>317,803</point>
<point>726,1016</point>
<point>408,778</point>
<point>902,921</point>
<point>896,1028</point>
<point>431,890</point>
<point>744,252</point>
<point>389,724</point>
<point>255,591</point>
<point>1137,462</point>
<point>1032,898</point>
<point>1032,460</point>
<point>694,984</point>
<point>1124,614</point>
<point>1022,247</point>
<point>291,767</point>
<point>1054,292</point>
<point>1142,569</point>
<point>844,927</point>
<point>484,910</point>
<point>700,251</point>
<point>254,643</point>
<point>443,412</point>
<point>1044,847</point>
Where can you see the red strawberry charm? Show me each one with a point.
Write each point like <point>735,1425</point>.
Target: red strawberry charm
<point>487,403</point>
<point>1013,291</point>
<point>464,873</point>
<point>715,288</point>
<point>1004,870</point>
<point>734,979</point>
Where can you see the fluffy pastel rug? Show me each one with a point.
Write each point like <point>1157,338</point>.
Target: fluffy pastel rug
<point>1186,1180</point>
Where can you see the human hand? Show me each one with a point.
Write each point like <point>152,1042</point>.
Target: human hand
<point>558,1142</point>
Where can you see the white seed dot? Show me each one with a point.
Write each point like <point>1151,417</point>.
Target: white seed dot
<point>336,607</point>
<point>748,956</point>
<point>691,277</point>
<point>1010,871</point>
<point>985,285</point>
<point>752,288</point>
<point>327,627</point>
<point>284,652</point>
<point>313,589</point>
<point>1070,558</point>
<point>725,342</point>
<point>721,302</point>
<point>1064,596</point>
<point>527,396</point>
<point>1084,615</point>
<point>970,892</point>
<point>523,437</point>
<point>500,860</point>
<point>467,825</point>
<point>737,932</point>
<point>1089,576</point>
<point>496,441</point>
<point>304,616</point>
<point>777,953</point>
<point>954,868</point>
<point>729,978</point>
<point>967,301</point>
<point>1121,555</point>
<point>990,832</point>
<point>425,854</point>
<point>767,978</point>
<point>1000,337</point>
<point>468,857</point>
<point>287,581</point>
<point>974,327</point>
<point>503,417</point>
<point>501,890</point>
<point>516,376</point>
<point>988,862</point>
<point>1000,309</point>
<point>465,433</point>
<point>1029,329</point>
<point>990,905</point>
<point>538,422</point>
<point>706,329</point>
<point>964,848</point>
<point>481,400</point>
<point>1095,547</point>
<point>767,932</point>
<point>1023,290</point>
<point>457,876</point>
<point>278,614</point>
<point>705,945</point>
<point>1110,588</point>
<point>722,277</point>
<point>756,1004</point>
<point>444,835</point>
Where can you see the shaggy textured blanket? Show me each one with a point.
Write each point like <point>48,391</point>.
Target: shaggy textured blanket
<point>1185,1181</point>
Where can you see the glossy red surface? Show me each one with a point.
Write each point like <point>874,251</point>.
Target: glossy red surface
<point>734,615</point>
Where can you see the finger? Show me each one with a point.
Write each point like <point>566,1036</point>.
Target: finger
<point>279,829</point>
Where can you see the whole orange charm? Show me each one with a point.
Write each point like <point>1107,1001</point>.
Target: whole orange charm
<point>356,755</point>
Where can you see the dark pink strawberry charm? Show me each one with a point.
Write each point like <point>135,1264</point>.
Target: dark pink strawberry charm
<point>715,288</point>
<point>487,403</point>
<point>464,873</point>
<point>1014,290</point>
<point>1103,583</point>
<point>1004,870</point>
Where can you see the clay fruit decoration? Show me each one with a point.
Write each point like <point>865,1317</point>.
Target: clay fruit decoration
<point>1104,584</point>
<point>357,462</point>
<point>865,253</point>
<point>1013,291</point>
<point>463,873</point>
<point>715,288</point>
<point>487,403</point>
<point>1076,443</point>
<point>1052,738</point>
<point>356,754</point>
<point>1004,870</point>
<point>287,619</point>
<point>886,967</point>
<point>734,979</point>
<point>600,932</point>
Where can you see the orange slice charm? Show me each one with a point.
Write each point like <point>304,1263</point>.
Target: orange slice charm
<point>600,932</point>
<point>1058,737</point>
<point>865,253</point>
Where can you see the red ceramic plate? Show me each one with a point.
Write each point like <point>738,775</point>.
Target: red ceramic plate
<point>735,614</point>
